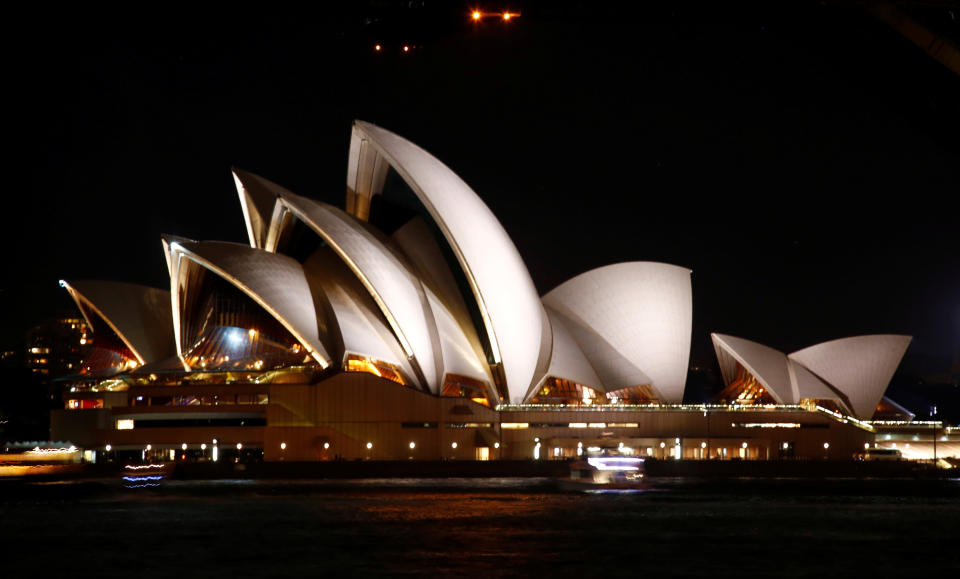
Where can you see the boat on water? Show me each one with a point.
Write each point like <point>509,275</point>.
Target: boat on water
<point>39,459</point>
<point>146,474</point>
<point>606,473</point>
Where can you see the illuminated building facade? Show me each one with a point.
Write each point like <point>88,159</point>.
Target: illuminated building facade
<point>58,347</point>
<point>356,334</point>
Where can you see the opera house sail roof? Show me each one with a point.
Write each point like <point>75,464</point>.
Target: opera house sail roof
<point>442,303</point>
<point>852,373</point>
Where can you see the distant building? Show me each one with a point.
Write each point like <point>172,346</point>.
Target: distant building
<point>58,347</point>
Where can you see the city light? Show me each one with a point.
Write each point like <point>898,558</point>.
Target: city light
<point>413,445</point>
<point>283,446</point>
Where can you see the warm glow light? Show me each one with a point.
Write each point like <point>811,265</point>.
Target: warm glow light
<point>496,445</point>
<point>369,445</point>
<point>453,445</point>
<point>476,16</point>
<point>108,448</point>
<point>744,445</point>
<point>239,446</point>
<point>406,48</point>
<point>149,447</point>
<point>413,445</point>
<point>283,446</point>
<point>507,16</point>
<point>703,445</point>
<point>826,445</point>
<point>326,445</point>
<point>377,47</point>
<point>183,446</point>
<point>203,446</point>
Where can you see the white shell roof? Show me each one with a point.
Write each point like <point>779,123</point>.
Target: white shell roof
<point>459,356</point>
<point>396,291</point>
<point>861,367</point>
<point>767,365</point>
<point>360,325</point>
<point>276,282</point>
<point>567,360</point>
<point>138,315</point>
<point>855,372</point>
<point>633,321</point>
<point>809,386</point>
<point>508,301</point>
<point>256,200</point>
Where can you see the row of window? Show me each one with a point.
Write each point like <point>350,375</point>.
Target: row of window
<point>205,400</point>
<point>448,425</point>
<point>213,400</point>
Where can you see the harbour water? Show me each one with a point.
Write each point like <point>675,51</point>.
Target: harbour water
<point>480,527</point>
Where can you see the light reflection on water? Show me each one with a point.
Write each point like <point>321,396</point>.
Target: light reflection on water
<point>484,527</point>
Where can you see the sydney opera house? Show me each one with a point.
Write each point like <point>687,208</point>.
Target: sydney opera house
<point>406,326</point>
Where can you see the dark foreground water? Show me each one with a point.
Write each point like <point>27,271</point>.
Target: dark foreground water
<point>488,527</point>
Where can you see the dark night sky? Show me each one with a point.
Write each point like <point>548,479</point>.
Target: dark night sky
<point>802,159</point>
